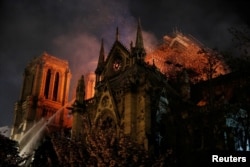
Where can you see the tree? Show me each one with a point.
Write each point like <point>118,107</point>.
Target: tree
<point>99,147</point>
<point>9,155</point>
<point>238,120</point>
<point>241,39</point>
<point>45,155</point>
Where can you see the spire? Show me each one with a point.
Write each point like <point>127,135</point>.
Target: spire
<point>139,39</point>
<point>117,34</point>
<point>80,90</point>
<point>101,56</point>
<point>138,50</point>
<point>101,59</point>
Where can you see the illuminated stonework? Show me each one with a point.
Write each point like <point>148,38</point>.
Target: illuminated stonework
<point>130,100</point>
<point>131,94</point>
<point>45,90</point>
<point>90,85</point>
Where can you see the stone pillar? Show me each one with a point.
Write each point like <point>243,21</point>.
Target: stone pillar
<point>147,110</point>
<point>66,86</point>
<point>64,99</point>
<point>140,119</point>
<point>90,85</point>
<point>129,114</point>
<point>52,82</point>
<point>43,80</point>
<point>77,126</point>
<point>35,82</point>
<point>60,88</point>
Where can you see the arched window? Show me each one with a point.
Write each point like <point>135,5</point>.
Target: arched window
<point>106,120</point>
<point>55,90</point>
<point>47,84</point>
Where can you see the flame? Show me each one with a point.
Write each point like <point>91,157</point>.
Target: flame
<point>180,51</point>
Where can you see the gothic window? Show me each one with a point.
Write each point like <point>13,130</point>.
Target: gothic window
<point>107,123</point>
<point>55,90</point>
<point>106,120</point>
<point>47,84</point>
<point>105,101</point>
<point>162,110</point>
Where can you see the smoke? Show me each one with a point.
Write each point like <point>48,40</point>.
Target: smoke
<point>80,50</point>
<point>207,21</point>
<point>73,29</point>
<point>81,45</point>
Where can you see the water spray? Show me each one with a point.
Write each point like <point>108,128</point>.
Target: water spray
<point>37,133</point>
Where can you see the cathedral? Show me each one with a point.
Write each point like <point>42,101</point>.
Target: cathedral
<point>130,93</point>
<point>45,89</point>
<point>125,93</point>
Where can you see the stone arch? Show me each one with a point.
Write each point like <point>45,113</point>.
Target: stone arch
<point>47,83</point>
<point>106,119</point>
<point>56,87</point>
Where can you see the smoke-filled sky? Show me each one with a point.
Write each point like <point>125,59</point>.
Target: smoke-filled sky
<point>73,29</point>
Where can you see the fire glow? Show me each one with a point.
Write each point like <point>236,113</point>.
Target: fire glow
<point>180,51</point>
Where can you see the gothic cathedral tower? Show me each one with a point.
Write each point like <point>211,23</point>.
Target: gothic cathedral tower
<point>130,95</point>
<point>44,91</point>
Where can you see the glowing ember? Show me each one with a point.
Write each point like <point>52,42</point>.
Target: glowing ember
<point>180,51</point>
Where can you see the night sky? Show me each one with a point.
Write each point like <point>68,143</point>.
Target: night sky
<point>73,29</point>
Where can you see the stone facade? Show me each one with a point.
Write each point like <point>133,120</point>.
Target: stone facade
<point>125,93</point>
<point>130,95</point>
<point>45,90</point>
